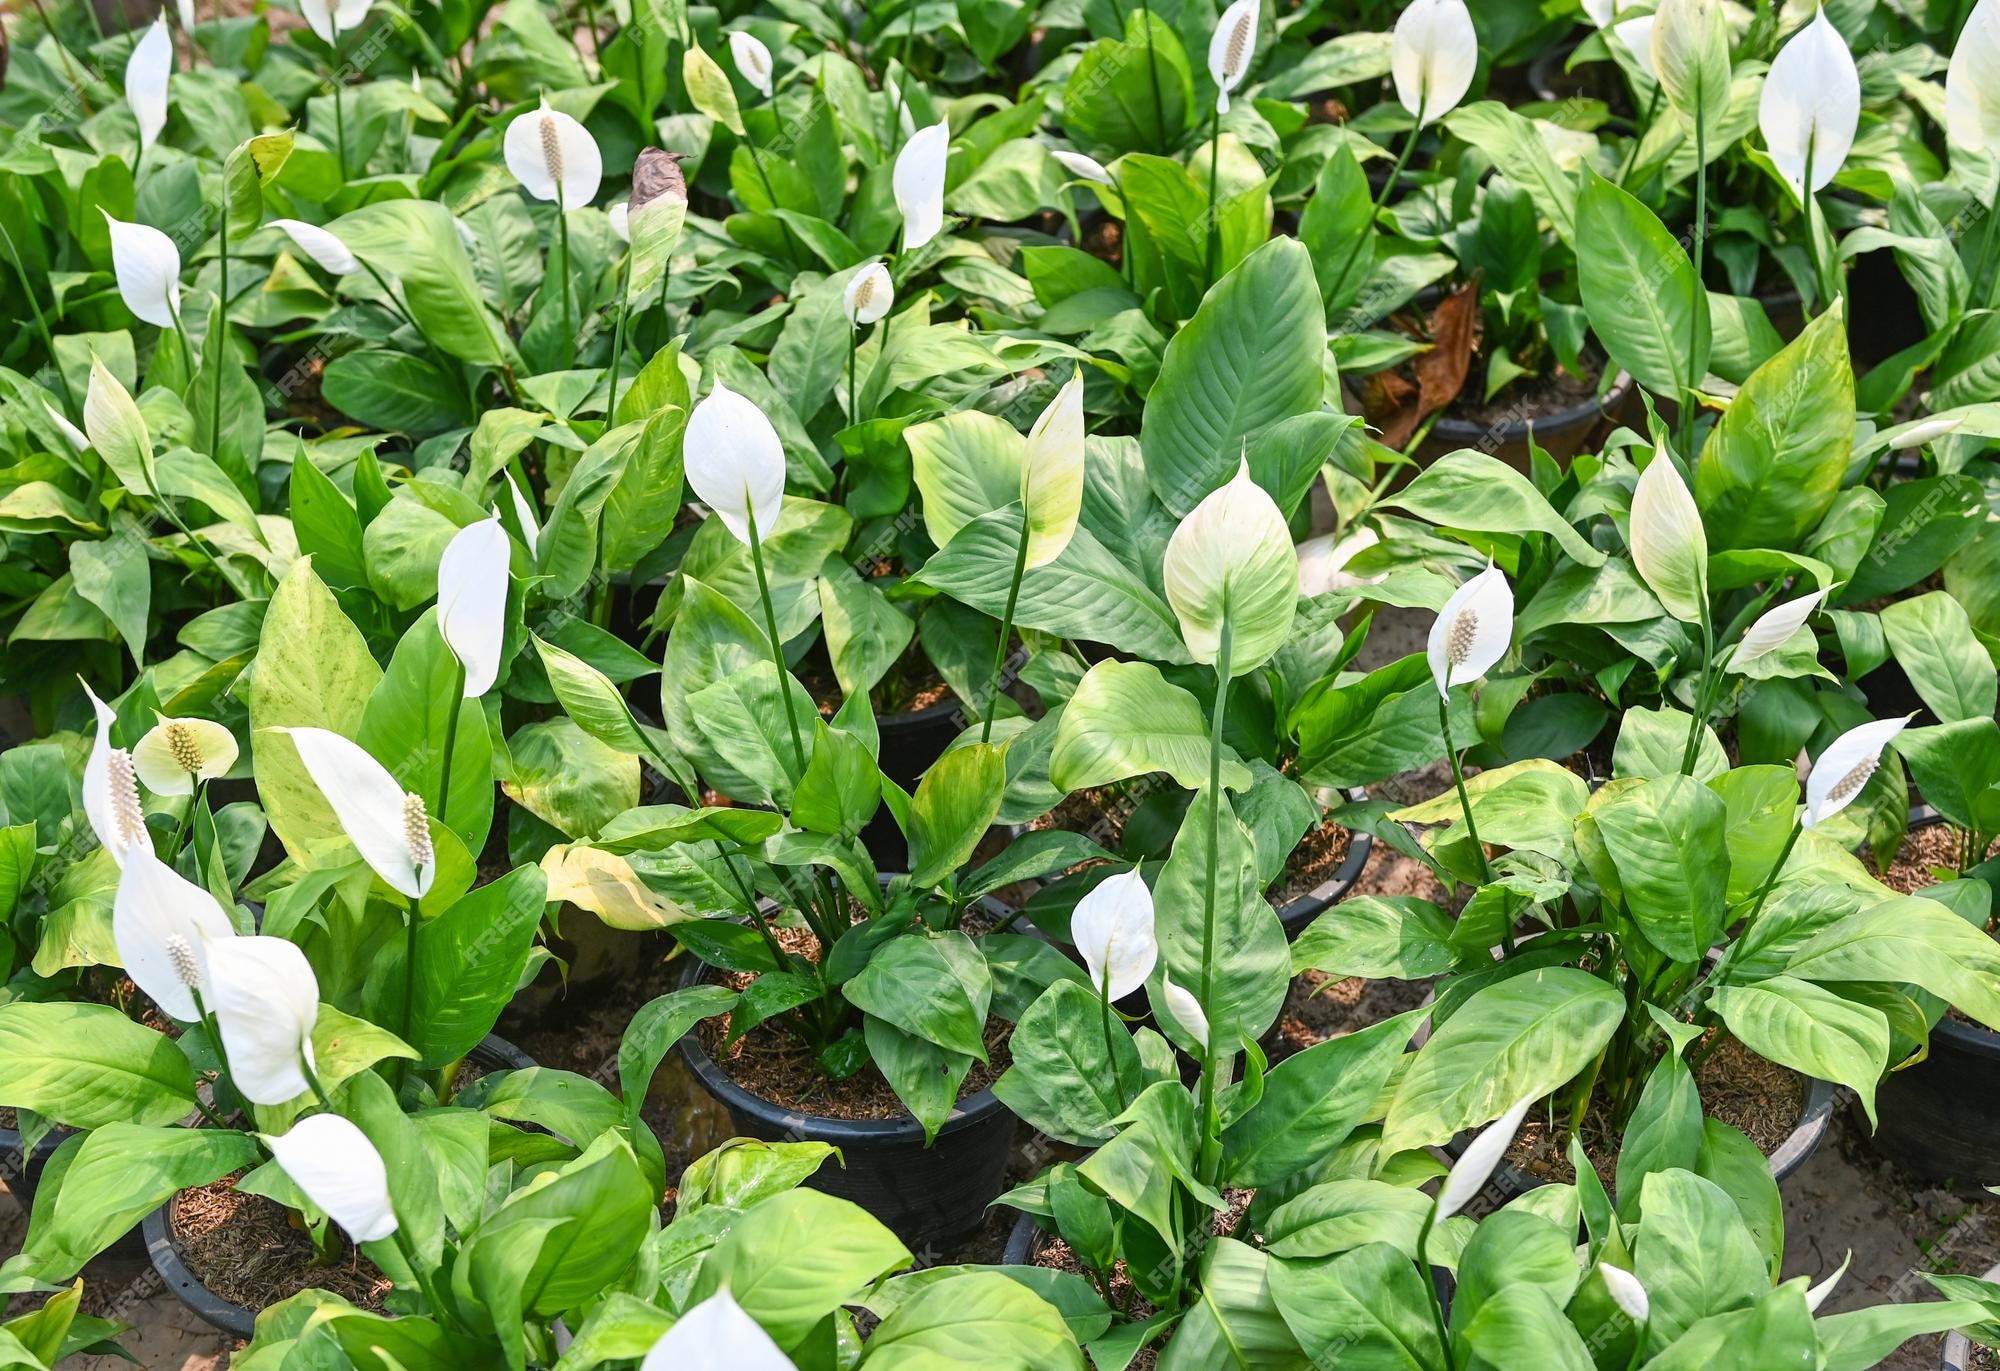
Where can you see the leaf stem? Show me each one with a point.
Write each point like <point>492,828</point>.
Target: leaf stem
<point>777,646</point>
<point>568,295</point>
<point>1211,1140</point>
<point>618,338</point>
<point>1375,210</point>
<point>1007,624</point>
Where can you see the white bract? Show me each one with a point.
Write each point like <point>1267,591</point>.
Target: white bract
<point>324,247</point>
<point>266,1001</point>
<point>1433,56</point>
<point>1811,106</point>
<point>185,8</point>
<point>164,926</point>
<point>472,601</point>
<point>918,181</point>
<point>1184,1009</point>
<point>1844,768</point>
<point>1774,628</point>
<point>78,439</point>
<point>332,1161</point>
<point>1113,932</point>
<point>1479,1160</point>
<point>1669,545</point>
<point>753,60</point>
<point>1231,48</point>
<point>176,753</point>
<point>331,18</point>
<point>1473,630</point>
<point>1052,474</point>
<point>531,529</point>
<point>716,1335</point>
<point>554,157</point>
<point>1323,562</point>
<point>1626,1292</point>
<point>147,72</point>
<point>111,791</point>
<point>735,462</point>
<point>1232,559</point>
<point>620,218</point>
<point>148,268</point>
<point>387,825</point>
<point>1972,82</point>
<point>868,296</point>
<point>1083,167</point>
<point>1817,1296</point>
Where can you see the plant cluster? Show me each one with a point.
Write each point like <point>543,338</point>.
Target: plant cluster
<point>864,546</point>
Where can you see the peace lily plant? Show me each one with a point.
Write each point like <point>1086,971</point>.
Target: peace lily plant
<point>857,534</point>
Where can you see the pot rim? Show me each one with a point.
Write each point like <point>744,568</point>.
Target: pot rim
<point>1514,430</point>
<point>163,1248</point>
<point>1297,911</point>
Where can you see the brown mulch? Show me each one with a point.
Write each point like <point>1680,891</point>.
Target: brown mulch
<point>1318,1008</point>
<point>1313,862</point>
<point>1737,1086</point>
<point>1925,851</point>
<point>247,1250</point>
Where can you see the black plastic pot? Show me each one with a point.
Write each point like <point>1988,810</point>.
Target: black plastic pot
<point>22,1174</point>
<point>1302,910</point>
<point>928,1195</point>
<point>1937,1119</point>
<point>164,1249</point>
<point>911,743</point>
<point>1562,433</point>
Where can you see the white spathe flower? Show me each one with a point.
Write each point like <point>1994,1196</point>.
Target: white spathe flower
<point>176,753</point>
<point>524,512</point>
<point>918,181</point>
<point>323,247</point>
<point>1972,82</point>
<point>1084,168</point>
<point>1323,562</point>
<point>1433,55</point>
<point>1817,1296</point>
<point>620,217</point>
<point>147,72</point>
<point>339,1170</point>
<point>735,463</point>
<point>111,791</point>
<point>1232,557</point>
<point>387,825</point>
<point>1626,1292</point>
<point>78,439</point>
<point>1774,628</point>
<point>1669,545</point>
<point>1637,36</point>
<point>1112,928</point>
<point>185,8</point>
<point>1811,106</point>
<point>1184,1009</point>
<point>554,157</point>
<point>753,60</point>
<point>1231,49</point>
<point>164,926</point>
<point>1925,431</point>
<point>868,296</point>
<point>1844,768</point>
<point>716,1335</point>
<point>266,1001</point>
<point>472,601</point>
<point>1477,1163</point>
<point>331,18</point>
<point>1473,631</point>
<point>1052,474</point>
<point>148,268</point>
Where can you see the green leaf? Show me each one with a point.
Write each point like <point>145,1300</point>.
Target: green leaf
<point>408,714</point>
<point>1667,837</point>
<point>1126,720</point>
<point>1772,467</point>
<point>966,464</point>
<point>1639,290</point>
<point>1517,150</point>
<point>709,90</point>
<point>1912,940</point>
<point>1245,987</point>
<point>980,1318</point>
<point>1381,937</point>
<point>313,669</point>
<point>590,699</point>
<point>1252,355</point>
<point>1933,640</point>
<point>1693,1254</point>
<point>1368,1307</point>
<point>1812,1030</point>
<point>1471,490</point>
<point>1108,103</point>
<point>469,963</point>
<point>326,525</point>
<point>116,575</point>
<point>417,242</point>
<point>956,802</point>
<point>1312,1102</point>
<point>1068,1078</point>
<point>85,1065</point>
<point>935,987</point>
<point>793,1259</point>
<point>1519,1038</point>
<point>639,512</point>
